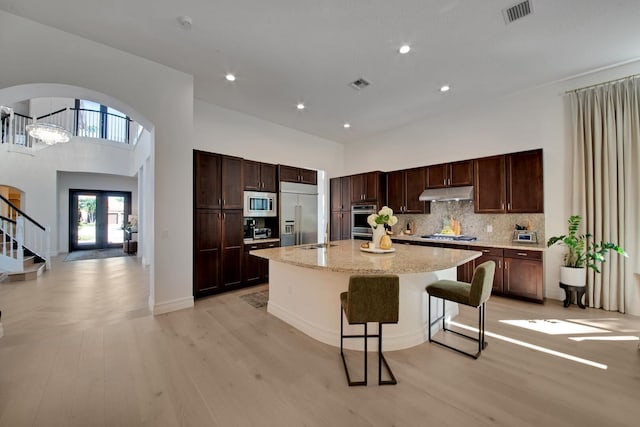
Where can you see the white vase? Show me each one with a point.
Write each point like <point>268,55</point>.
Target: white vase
<point>378,232</point>
<point>573,276</point>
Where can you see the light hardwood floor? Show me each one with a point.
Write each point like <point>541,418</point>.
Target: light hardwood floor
<point>81,349</point>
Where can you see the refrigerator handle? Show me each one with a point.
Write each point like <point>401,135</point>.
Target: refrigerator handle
<point>298,218</point>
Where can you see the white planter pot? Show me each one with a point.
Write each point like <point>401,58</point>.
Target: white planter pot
<point>573,276</point>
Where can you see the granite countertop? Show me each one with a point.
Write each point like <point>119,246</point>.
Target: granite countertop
<point>346,256</point>
<point>540,246</point>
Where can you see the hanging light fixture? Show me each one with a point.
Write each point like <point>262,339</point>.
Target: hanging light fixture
<point>48,133</point>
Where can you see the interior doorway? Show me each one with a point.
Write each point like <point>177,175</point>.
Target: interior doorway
<point>97,218</point>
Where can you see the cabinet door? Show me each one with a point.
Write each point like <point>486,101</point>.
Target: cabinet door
<point>437,176</point>
<point>395,190</point>
<point>251,174</point>
<point>357,188</point>
<point>461,173</point>
<point>336,226</point>
<point>268,172</point>
<point>345,183</point>
<point>251,267</point>
<point>345,233</point>
<point>489,182</point>
<point>372,187</point>
<point>289,174</point>
<point>495,255</point>
<point>524,182</point>
<point>206,180</point>
<point>335,189</point>
<point>232,188</point>
<point>414,186</point>
<point>308,176</point>
<point>231,248</point>
<point>207,238</point>
<point>523,274</point>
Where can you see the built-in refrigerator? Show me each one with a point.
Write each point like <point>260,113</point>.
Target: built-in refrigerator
<point>298,214</point>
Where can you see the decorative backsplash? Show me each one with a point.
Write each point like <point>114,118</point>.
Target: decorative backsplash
<point>472,224</point>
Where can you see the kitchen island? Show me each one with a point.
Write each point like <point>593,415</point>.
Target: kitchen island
<point>305,283</point>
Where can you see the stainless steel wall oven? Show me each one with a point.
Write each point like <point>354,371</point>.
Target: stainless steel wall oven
<point>360,228</point>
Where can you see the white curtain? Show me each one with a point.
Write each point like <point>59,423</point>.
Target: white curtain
<point>606,184</point>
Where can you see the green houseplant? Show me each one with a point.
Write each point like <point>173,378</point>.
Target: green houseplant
<point>582,253</point>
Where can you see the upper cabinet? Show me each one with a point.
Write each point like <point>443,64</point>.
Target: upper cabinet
<point>454,174</point>
<point>217,181</point>
<point>509,183</point>
<point>300,175</point>
<point>403,190</point>
<point>259,176</point>
<point>368,188</point>
<point>340,193</point>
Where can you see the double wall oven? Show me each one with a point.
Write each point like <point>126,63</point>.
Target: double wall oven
<point>360,228</point>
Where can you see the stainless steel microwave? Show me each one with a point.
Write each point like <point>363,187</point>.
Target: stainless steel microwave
<point>260,204</point>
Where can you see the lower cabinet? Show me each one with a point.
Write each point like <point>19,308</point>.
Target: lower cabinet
<point>495,255</point>
<point>255,269</point>
<point>340,225</point>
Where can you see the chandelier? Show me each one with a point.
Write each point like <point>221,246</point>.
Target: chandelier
<point>48,133</point>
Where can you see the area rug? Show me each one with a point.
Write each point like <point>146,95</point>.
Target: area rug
<point>95,254</point>
<point>257,299</point>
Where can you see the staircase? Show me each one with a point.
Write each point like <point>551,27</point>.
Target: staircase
<point>24,244</point>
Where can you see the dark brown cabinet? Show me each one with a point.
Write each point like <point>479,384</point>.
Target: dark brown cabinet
<point>368,188</point>
<point>509,183</point>
<point>340,197</point>
<point>255,269</point>
<point>495,255</point>
<point>218,251</point>
<point>523,274</point>
<point>259,176</point>
<point>454,174</point>
<point>300,175</point>
<point>403,191</point>
<point>218,223</point>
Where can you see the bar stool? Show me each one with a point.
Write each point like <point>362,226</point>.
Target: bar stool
<point>373,298</point>
<point>474,294</point>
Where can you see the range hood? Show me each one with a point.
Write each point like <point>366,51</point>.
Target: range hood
<point>447,194</point>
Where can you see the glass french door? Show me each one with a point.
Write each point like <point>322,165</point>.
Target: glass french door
<point>97,218</point>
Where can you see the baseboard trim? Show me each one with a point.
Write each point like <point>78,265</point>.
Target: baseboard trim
<point>169,306</point>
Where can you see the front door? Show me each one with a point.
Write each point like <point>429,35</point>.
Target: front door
<point>97,218</point>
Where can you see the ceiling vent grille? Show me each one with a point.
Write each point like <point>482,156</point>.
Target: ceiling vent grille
<point>517,11</point>
<point>359,84</point>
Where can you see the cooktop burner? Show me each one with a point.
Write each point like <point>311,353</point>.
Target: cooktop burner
<point>461,238</point>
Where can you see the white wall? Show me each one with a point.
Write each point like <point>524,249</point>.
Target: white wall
<point>536,118</point>
<point>88,181</point>
<point>158,97</point>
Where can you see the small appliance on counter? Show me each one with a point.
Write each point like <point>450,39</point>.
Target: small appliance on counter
<point>249,226</point>
<point>261,233</point>
<point>525,236</point>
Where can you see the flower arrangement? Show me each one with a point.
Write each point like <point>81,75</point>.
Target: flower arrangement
<point>384,216</point>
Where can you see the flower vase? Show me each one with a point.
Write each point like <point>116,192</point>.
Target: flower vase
<point>378,232</point>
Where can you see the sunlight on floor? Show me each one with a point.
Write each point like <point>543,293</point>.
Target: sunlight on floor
<point>607,338</point>
<point>534,347</point>
<point>555,326</point>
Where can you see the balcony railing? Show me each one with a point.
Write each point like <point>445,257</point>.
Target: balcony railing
<point>81,121</point>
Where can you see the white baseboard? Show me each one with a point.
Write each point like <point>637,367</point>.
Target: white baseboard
<point>169,306</point>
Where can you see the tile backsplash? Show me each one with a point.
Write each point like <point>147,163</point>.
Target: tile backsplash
<point>473,224</point>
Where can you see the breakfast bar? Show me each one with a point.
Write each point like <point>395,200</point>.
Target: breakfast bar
<point>305,283</point>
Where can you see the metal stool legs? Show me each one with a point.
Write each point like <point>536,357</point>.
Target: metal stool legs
<point>482,344</point>
<point>381,358</point>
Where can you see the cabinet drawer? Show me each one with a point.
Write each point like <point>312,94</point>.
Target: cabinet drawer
<point>255,246</point>
<point>488,250</point>
<point>523,254</point>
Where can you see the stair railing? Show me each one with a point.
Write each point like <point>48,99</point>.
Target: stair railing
<point>21,231</point>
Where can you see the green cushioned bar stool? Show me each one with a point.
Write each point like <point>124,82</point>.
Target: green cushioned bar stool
<point>474,294</point>
<point>371,298</point>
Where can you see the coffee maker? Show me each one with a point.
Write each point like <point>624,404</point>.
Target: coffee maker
<point>249,226</point>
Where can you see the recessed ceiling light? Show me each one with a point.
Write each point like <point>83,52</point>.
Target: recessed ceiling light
<point>230,77</point>
<point>445,88</point>
<point>347,125</point>
<point>300,106</point>
<point>405,48</point>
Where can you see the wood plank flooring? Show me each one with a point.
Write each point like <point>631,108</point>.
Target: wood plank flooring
<point>81,349</point>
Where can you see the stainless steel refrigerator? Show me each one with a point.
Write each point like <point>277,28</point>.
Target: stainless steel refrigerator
<point>298,214</point>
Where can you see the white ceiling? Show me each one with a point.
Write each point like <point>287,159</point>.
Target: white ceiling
<point>287,51</point>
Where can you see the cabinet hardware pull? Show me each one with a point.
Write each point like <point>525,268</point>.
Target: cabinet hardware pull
<point>271,245</point>
<point>254,247</point>
<point>509,206</point>
<point>486,250</point>
<point>499,264</point>
<point>219,201</point>
<point>502,205</point>
<point>522,254</point>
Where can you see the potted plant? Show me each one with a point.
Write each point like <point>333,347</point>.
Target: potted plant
<point>582,253</point>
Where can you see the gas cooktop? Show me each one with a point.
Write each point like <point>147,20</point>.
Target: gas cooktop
<point>449,237</point>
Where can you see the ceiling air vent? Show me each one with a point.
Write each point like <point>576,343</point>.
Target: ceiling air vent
<point>359,84</point>
<point>517,11</point>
